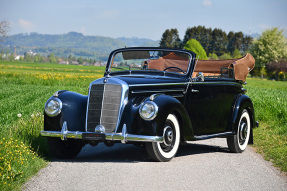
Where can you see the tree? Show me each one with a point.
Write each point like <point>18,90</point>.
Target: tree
<point>80,60</point>
<point>270,47</point>
<point>4,28</point>
<point>195,46</point>
<point>27,57</point>
<point>201,34</point>
<point>52,58</point>
<point>170,39</point>
<point>219,42</point>
<point>238,41</point>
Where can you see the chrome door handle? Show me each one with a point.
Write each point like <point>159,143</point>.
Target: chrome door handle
<point>194,91</point>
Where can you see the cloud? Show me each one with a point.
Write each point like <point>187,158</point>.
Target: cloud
<point>207,3</point>
<point>26,25</point>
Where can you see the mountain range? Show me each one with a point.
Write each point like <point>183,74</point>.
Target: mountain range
<point>77,44</point>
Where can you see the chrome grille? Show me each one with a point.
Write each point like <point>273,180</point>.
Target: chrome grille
<point>104,105</point>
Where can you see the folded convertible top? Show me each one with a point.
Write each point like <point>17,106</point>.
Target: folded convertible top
<point>242,66</point>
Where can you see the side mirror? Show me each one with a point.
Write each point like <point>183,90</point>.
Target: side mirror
<point>200,77</point>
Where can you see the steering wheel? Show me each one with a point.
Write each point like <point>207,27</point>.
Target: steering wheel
<point>175,68</point>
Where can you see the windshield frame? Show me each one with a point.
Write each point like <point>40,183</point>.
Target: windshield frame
<point>191,55</point>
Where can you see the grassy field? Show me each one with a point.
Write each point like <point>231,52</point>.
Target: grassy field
<point>270,102</point>
<point>25,88</point>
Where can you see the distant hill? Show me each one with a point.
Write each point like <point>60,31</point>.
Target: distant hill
<point>62,45</point>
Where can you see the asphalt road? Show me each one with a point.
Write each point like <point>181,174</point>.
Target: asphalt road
<point>202,165</point>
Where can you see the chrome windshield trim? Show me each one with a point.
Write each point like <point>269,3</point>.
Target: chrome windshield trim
<point>112,55</point>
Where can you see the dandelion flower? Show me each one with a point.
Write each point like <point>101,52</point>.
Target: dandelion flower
<point>19,115</point>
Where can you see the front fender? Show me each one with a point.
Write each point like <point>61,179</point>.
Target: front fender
<point>73,112</point>
<point>166,105</point>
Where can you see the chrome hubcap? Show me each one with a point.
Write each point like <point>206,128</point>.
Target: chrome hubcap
<point>243,131</point>
<point>168,136</point>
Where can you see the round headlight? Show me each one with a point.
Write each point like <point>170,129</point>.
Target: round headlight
<point>53,107</point>
<point>148,110</point>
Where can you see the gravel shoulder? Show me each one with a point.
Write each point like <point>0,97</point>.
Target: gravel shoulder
<point>202,165</point>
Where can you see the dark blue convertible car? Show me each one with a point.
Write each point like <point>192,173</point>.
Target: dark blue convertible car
<point>157,97</point>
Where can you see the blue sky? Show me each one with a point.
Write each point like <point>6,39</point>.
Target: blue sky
<point>143,18</point>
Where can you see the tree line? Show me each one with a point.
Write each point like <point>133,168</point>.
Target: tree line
<point>214,41</point>
<point>269,50</point>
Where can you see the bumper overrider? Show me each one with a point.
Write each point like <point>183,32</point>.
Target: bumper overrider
<point>124,137</point>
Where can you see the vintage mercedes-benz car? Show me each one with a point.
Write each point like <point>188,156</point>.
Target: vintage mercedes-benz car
<point>157,97</point>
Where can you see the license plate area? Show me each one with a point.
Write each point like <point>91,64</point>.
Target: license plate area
<point>94,136</point>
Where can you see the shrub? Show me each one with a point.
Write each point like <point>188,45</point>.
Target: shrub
<point>195,46</point>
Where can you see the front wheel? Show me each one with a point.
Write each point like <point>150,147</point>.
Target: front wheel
<point>165,151</point>
<point>238,143</point>
<point>68,149</point>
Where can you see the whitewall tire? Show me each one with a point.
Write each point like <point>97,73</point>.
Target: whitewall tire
<point>165,151</point>
<point>238,143</point>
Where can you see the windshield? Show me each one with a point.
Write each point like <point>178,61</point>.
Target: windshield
<point>169,61</point>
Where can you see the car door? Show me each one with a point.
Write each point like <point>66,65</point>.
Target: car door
<point>207,108</point>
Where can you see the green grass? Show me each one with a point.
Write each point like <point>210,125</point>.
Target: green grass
<point>270,103</point>
<point>25,87</point>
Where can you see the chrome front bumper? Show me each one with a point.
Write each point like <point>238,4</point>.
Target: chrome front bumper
<point>64,134</point>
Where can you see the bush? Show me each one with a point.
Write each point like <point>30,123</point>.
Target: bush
<point>195,46</point>
<point>212,56</point>
<point>225,56</point>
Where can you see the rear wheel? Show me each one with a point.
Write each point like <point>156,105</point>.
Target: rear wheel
<point>65,149</point>
<point>165,151</point>
<point>238,143</point>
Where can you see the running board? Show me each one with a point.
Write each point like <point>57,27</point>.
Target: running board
<point>202,137</point>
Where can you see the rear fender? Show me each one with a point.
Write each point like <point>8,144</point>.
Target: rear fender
<point>243,102</point>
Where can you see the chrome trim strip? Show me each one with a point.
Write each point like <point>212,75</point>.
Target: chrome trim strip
<point>202,137</point>
<point>177,95</point>
<point>157,91</point>
<point>159,84</point>
<point>216,82</point>
<point>185,83</point>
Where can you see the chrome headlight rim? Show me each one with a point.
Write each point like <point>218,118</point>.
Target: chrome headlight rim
<point>56,111</point>
<point>154,113</point>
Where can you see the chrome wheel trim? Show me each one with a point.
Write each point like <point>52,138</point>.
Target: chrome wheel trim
<point>169,150</point>
<point>243,132</point>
